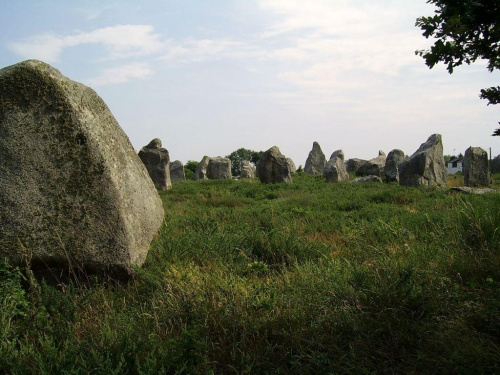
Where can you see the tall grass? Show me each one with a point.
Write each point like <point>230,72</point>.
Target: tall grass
<point>307,278</point>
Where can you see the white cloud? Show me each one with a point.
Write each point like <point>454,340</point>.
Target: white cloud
<point>201,50</point>
<point>330,46</point>
<point>123,41</point>
<point>122,74</point>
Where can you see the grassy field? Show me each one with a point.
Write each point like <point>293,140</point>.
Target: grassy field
<point>307,278</point>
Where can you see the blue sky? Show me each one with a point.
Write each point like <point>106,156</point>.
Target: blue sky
<point>209,77</point>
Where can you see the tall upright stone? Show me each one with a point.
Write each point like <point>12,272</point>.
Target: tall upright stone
<point>316,161</point>
<point>391,168</point>
<point>201,170</point>
<point>426,166</point>
<point>335,170</point>
<point>273,167</point>
<point>73,192</point>
<point>476,167</point>
<point>291,166</point>
<point>219,168</point>
<point>177,172</point>
<point>247,170</point>
<point>373,167</point>
<point>157,162</point>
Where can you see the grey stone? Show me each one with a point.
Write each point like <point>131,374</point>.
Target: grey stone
<point>201,170</point>
<point>316,161</point>
<point>476,167</point>
<point>373,167</point>
<point>73,192</point>
<point>367,179</point>
<point>352,165</point>
<point>391,168</point>
<point>157,162</point>
<point>177,172</point>
<point>273,167</point>
<point>338,154</point>
<point>247,170</point>
<point>471,190</point>
<point>291,165</point>
<point>335,170</point>
<point>219,168</point>
<point>426,166</point>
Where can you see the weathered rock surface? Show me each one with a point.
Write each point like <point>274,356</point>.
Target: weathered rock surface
<point>316,161</point>
<point>352,165</point>
<point>476,167</point>
<point>471,190</point>
<point>273,167</point>
<point>426,166</point>
<point>219,168</point>
<point>391,168</point>
<point>157,162</point>
<point>338,154</point>
<point>291,166</point>
<point>201,170</point>
<point>335,170</point>
<point>247,170</point>
<point>373,167</point>
<point>177,172</point>
<point>367,179</point>
<point>73,191</point>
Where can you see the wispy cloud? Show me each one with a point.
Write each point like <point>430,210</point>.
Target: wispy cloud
<point>122,74</point>
<point>122,40</point>
<point>331,46</point>
<point>201,50</point>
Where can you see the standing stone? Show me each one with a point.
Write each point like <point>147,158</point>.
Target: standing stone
<point>476,167</point>
<point>73,192</point>
<point>335,170</point>
<point>219,168</point>
<point>201,170</point>
<point>373,167</point>
<point>391,168</point>
<point>316,161</point>
<point>273,167</point>
<point>352,165</point>
<point>177,171</point>
<point>426,166</point>
<point>338,154</point>
<point>291,165</point>
<point>157,162</point>
<point>247,170</point>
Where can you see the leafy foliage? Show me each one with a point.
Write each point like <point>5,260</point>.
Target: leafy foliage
<point>465,30</point>
<point>190,169</point>
<point>237,157</point>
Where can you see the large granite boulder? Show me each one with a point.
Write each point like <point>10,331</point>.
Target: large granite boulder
<point>335,170</point>
<point>247,170</point>
<point>177,172</point>
<point>373,167</point>
<point>273,167</point>
<point>291,166</point>
<point>338,154</point>
<point>73,192</point>
<point>157,162</point>
<point>316,161</point>
<point>476,167</point>
<point>352,165</point>
<point>391,168</point>
<point>426,166</point>
<point>219,168</point>
<point>201,170</point>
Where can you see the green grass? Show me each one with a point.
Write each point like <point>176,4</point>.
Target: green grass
<point>306,278</point>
